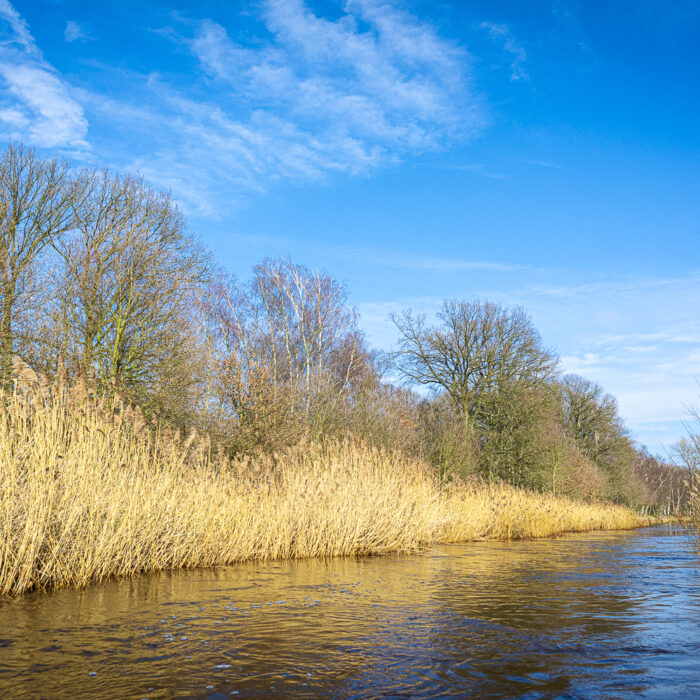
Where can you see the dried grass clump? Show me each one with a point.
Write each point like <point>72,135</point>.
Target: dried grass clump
<point>88,491</point>
<point>694,505</point>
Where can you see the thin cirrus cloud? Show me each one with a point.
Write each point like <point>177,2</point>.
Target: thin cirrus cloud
<point>36,104</point>
<point>502,33</point>
<point>318,96</point>
<point>75,31</point>
<point>306,97</point>
<point>395,86</point>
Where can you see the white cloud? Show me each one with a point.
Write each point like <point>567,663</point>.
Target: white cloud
<point>75,31</point>
<point>501,32</point>
<point>35,103</point>
<point>316,96</point>
<point>15,118</point>
<point>304,98</point>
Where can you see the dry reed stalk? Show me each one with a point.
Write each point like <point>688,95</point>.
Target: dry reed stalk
<point>88,492</point>
<point>693,516</point>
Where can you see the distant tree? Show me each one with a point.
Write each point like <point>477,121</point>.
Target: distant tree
<point>445,439</point>
<point>687,450</point>
<point>383,414</point>
<point>489,360</point>
<point>666,487</point>
<point>521,436</point>
<point>591,418</point>
<point>687,453</point>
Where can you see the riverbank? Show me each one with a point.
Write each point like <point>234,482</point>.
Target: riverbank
<point>567,616</point>
<point>88,492</point>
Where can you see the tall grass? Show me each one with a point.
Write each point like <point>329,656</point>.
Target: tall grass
<point>693,514</point>
<point>87,491</point>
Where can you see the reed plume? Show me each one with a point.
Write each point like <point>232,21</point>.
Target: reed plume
<point>88,491</point>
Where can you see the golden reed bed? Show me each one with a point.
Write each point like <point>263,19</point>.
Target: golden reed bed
<point>87,492</point>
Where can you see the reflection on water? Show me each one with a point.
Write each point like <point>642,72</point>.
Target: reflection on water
<point>612,614</point>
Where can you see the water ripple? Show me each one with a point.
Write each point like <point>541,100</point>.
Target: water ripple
<point>604,614</point>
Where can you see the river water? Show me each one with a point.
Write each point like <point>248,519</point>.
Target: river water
<point>614,614</point>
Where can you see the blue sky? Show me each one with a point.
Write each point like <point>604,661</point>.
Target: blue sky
<point>539,153</point>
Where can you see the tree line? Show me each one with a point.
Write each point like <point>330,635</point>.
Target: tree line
<point>101,284</point>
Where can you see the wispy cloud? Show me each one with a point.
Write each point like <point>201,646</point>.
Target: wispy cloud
<point>76,31</point>
<point>542,164</point>
<point>342,98</point>
<point>35,104</point>
<point>305,97</point>
<point>310,97</point>
<point>502,33</point>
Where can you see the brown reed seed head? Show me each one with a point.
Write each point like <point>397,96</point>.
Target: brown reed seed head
<point>89,490</point>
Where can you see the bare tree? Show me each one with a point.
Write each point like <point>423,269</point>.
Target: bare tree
<point>590,416</point>
<point>289,352</point>
<point>666,486</point>
<point>479,348</point>
<point>687,453</point>
<point>128,281</point>
<point>36,207</point>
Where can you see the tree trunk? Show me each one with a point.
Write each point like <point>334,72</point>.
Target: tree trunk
<point>7,336</point>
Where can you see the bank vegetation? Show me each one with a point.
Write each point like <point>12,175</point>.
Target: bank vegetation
<point>88,491</point>
<point>158,411</point>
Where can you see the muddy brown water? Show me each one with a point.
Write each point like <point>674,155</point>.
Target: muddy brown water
<point>614,614</point>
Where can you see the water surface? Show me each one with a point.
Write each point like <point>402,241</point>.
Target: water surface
<point>613,614</point>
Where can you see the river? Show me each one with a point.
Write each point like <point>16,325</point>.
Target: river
<point>612,614</point>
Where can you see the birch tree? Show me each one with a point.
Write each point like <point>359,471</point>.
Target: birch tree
<point>289,353</point>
